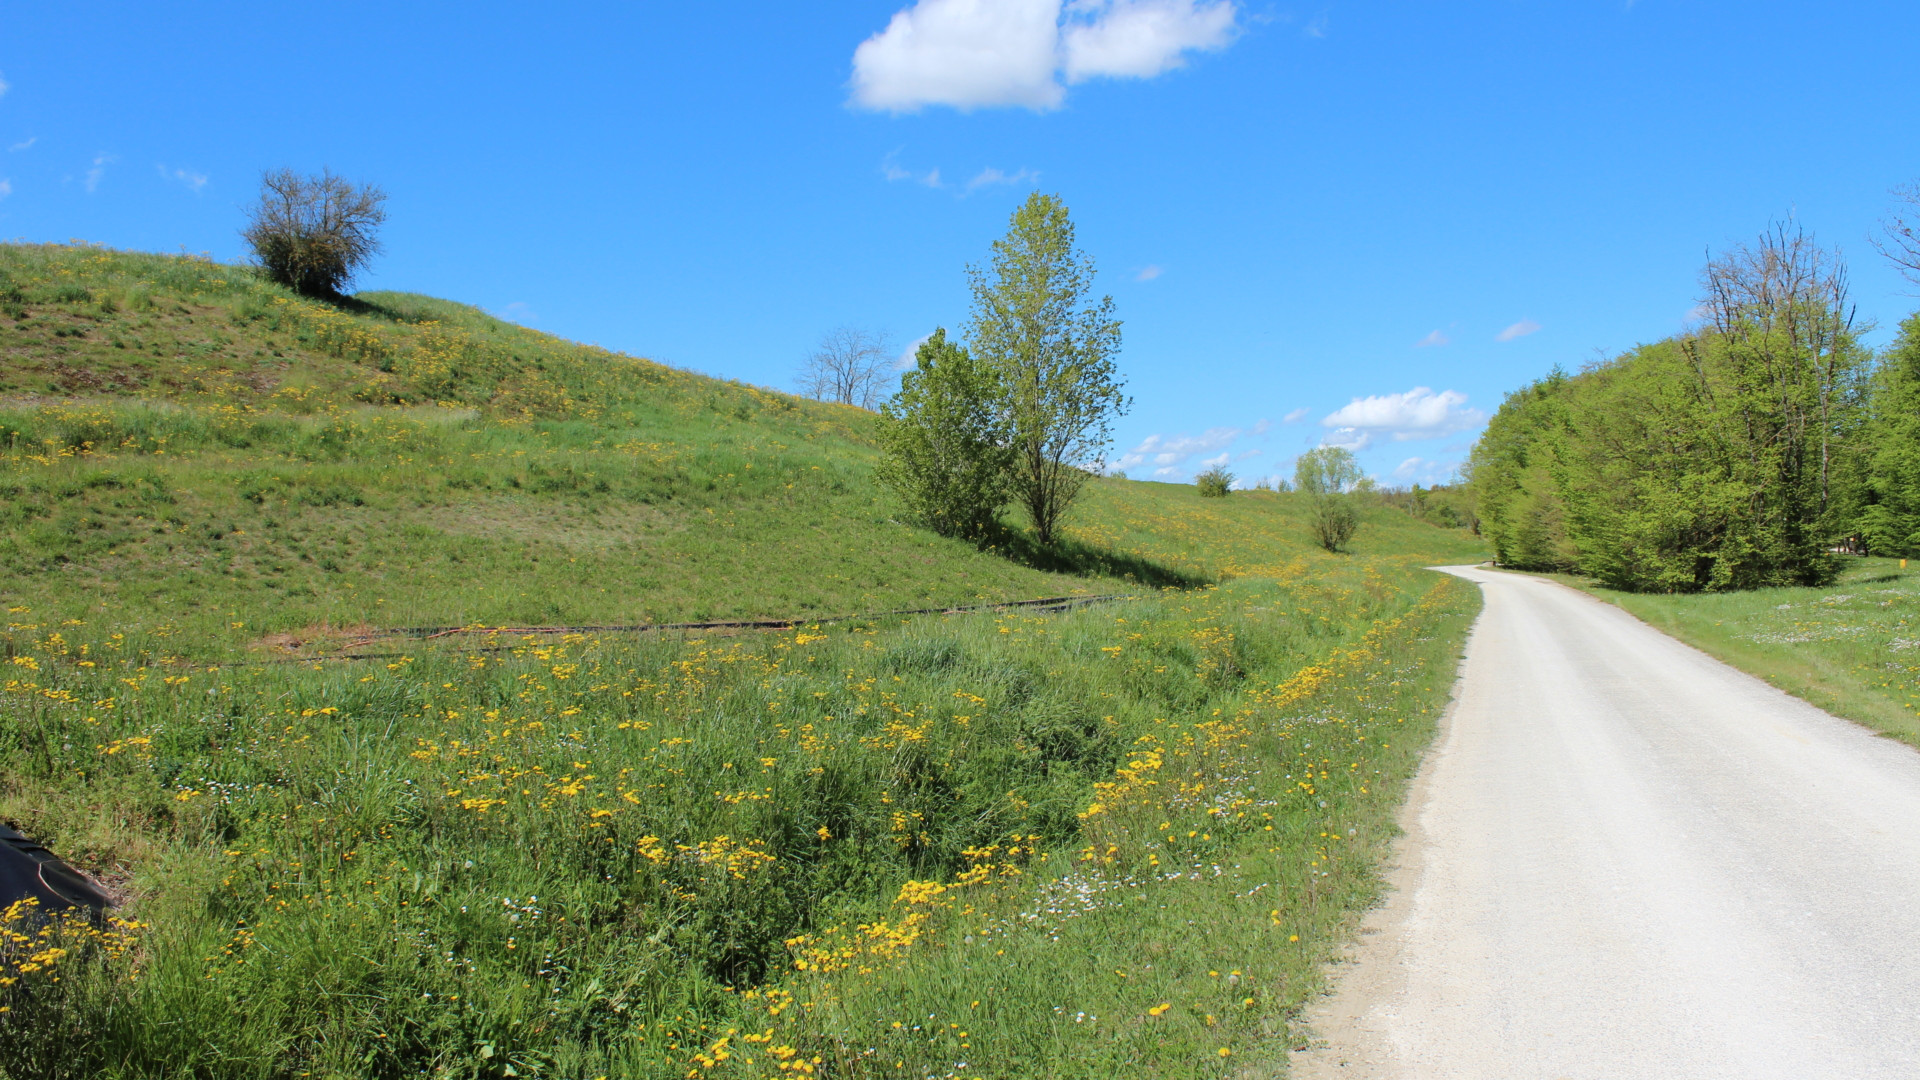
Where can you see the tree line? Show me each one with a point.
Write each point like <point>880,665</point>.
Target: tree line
<point>1742,453</point>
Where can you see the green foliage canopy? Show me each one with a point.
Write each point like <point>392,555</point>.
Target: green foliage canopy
<point>1051,350</point>
<point>947,453</point>
<point>1327,475</point>
<point>1726,458</point>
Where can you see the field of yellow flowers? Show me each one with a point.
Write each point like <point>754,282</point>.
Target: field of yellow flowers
<point>998,844</point>
<point>994,845</point>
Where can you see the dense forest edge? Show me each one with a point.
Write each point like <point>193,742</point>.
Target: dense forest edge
<point>1750,451</point>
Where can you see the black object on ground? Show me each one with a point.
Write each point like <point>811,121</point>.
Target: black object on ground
<point>29,871</point>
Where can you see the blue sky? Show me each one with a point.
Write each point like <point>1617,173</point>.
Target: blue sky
<point>1361,216</point>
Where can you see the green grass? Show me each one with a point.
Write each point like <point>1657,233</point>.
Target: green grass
<point>1137,829</point>
<point>1851,648</point>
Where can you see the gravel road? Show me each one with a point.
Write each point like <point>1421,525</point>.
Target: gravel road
<point>1626,861</point>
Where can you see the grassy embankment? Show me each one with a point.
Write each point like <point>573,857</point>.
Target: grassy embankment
<point>1852,648</point>
<point>985,845</point>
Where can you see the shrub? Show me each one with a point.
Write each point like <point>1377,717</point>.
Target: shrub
<point>1215,483</point>
<point>946,442</point>
<point>1327,476</point>
<point>313,233</point>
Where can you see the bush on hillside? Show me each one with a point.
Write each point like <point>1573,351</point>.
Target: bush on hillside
<point>1215,483</point>
<point>946,442</point>
<point>313,233</point>
<point>1327,476</point>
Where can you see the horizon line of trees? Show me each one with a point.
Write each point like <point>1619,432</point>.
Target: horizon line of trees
<point>1740,454</point>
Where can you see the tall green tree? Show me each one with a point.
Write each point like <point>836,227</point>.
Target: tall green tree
<point>1726,458</point>
<point>1327,476</point>
<point>1513,489</point>
<point>945,438</point>
<point>1890,513</point>
<point>1051,350</point>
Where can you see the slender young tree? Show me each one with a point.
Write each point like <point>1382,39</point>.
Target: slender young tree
<point>1327,475</point>
<point>1051,349</point>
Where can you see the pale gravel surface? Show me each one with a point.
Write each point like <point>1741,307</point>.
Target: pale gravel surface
<point>1626,859</point>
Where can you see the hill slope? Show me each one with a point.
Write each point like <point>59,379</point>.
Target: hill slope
<point>186,441</point>
<point>715,855</point>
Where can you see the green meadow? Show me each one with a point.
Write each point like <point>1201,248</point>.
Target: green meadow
<point>1001,843</point>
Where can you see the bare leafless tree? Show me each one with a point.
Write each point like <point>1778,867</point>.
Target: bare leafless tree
<point>313,233</point>
<point>851,366</point>
<point>1782,308</point>
<point>1899,238</point>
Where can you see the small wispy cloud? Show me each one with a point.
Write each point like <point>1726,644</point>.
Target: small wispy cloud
<point>99,170</point>
<point>1316,28</point>
<point>1168,452</point>
<point>1147,273</point>
<point>894,172</point>
<point>6,188</point>
<point>518,311</point>
<point>1433,339</point>
<point>27,145</point>
<point>1419,470</point>
<point>990,177</point>
<point>1297,415</point>
<point>194,181</point>
<point>4,86</point>
<point>1518,330</point>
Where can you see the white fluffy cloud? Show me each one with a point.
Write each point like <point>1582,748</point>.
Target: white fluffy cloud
<point>1517,330</point>
<point>1138,39</point>
<point>974,54</point>
<point>1417,414</point>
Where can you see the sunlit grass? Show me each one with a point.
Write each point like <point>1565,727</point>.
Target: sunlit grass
<point>1003,844</point>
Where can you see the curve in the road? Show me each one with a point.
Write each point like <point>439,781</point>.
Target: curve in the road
<point>1626,859</point>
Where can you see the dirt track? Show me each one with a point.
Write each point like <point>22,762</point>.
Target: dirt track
<point>1626,860</point>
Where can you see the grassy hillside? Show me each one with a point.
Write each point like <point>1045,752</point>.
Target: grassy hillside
<point>182,440</point>
<point>998,844</point>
